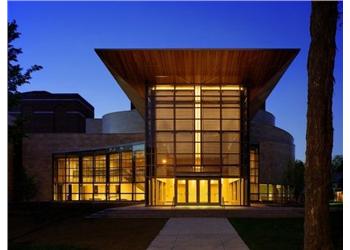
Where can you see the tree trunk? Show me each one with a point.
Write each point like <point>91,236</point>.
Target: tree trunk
<point>319,134</point>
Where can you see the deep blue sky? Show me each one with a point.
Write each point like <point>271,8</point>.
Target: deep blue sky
<point>61,36</point>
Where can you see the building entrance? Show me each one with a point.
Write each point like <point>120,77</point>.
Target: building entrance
<point>197,191</point>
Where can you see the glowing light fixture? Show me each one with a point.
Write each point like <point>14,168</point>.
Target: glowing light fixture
<point>197,93</point>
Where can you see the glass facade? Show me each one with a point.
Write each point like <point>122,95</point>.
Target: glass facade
<point>195,143</point>
<point>113,174</point>
<point>254,173</point>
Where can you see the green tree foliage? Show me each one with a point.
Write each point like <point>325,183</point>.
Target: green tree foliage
<point>24,186</point>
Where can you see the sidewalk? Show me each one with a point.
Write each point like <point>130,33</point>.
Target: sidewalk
<point>198,233</point>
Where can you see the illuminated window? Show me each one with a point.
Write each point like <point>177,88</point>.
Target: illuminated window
<point>114,167</point>
<point>126,171</point>
<point>100,168</point>
<point>197,128</point>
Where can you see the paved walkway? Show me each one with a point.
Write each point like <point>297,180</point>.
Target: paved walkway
<point>198,233</point>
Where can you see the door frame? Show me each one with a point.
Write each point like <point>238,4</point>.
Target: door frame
<point>197,203</point>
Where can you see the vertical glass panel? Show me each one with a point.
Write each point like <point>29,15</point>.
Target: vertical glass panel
<point>72,169</point>
<point>230,191</point>
<point>99,192</point>
<point>87,168</point>
<point>126,191</point>
<point>100,168</point>
<point>126,166</point>
<point>114,167</point>
<point>214,191</point>
<point>61,165</point>
<point>165,191</point>
<point>86,191</point>
<point>181,191</point>
<point>203,191</point>
<point>192,191</point>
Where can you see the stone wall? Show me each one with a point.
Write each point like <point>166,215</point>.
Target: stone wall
<point>38,150</point>
<point>276,149</point>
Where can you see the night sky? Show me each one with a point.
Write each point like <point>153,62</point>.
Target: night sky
<point>61,36</point>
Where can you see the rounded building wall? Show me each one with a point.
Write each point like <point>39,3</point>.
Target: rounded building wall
<point>123,122</point>
<point>276,148</point>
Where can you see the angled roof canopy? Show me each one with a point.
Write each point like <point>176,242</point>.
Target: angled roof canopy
<point>258,69</point>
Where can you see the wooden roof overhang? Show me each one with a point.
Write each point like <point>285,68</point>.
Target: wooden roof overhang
<point>257,69</point>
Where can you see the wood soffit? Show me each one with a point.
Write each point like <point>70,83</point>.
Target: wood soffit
<point>258,69</point>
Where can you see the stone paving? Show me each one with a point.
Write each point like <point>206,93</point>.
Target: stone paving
<point>198,233</point>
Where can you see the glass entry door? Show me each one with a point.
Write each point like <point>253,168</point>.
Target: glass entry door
<point>197,192</point>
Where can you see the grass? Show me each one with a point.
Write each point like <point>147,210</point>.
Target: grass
<point>49,226</point>
<point>282,233</point>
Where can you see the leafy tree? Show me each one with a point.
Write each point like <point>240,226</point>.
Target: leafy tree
<point>294,177</point>
<point>319,134</point>
<point>16,77</point>
<point>337,163</point>
<point>24,185</point>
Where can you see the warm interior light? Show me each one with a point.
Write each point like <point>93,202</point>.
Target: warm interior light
<point>164,161</point>
<point>184,87</point>
<point>164,87</point>
<point>197,92</point>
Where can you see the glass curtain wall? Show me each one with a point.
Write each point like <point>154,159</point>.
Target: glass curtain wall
<point>193,130</point>
<point>254,173</point>
<point>109,175</point>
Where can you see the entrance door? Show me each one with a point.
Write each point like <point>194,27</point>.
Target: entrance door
<point>197,192</point>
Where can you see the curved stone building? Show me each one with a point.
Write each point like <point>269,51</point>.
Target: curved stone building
<point>275,148</point>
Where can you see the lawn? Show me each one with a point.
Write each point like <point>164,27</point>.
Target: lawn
<point>50,226</point>
<point>281,233</point>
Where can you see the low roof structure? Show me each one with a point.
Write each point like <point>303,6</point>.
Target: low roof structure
<point>259,69</point>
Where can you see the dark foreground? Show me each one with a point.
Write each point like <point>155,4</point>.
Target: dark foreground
<point>282,233</point>
<point>57,226</point>
<point>48,226</point>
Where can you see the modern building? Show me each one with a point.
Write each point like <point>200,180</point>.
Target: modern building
<point>207,139</point>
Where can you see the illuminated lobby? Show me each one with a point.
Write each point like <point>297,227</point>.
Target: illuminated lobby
<point>199,148</point>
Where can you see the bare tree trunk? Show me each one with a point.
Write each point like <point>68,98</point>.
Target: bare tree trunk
<point>319,134</point>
